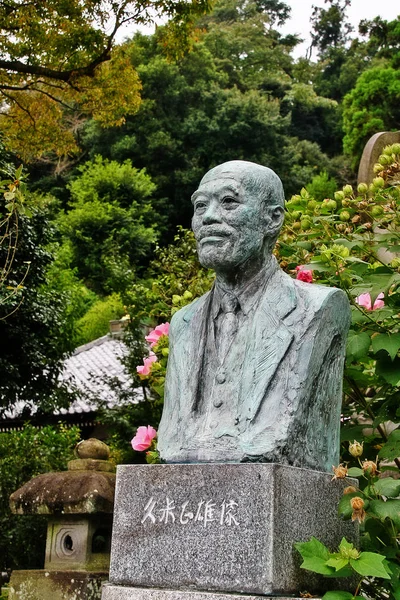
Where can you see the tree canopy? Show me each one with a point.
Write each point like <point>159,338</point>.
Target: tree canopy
<point>59,63</point>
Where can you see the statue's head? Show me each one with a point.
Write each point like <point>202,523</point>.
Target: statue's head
<point>238,213</point>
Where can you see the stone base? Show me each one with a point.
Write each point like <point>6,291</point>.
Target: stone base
<point>115,592</point>
<point>223,527</point>
<point>55,585</point>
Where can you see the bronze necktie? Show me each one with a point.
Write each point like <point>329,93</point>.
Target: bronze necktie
<point>228,325</point>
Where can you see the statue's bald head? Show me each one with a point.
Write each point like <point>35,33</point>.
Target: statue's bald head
<point>257,180</point>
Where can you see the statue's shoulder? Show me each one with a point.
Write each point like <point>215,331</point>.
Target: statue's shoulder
<point>320,298</point>
<point>186,313</point>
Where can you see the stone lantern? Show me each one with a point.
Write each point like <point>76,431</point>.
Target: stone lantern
<point>79,506</point>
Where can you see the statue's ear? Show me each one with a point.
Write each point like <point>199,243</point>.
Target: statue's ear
<point>274,217</point>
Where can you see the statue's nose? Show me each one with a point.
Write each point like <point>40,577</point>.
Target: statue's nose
<point>213,213</point>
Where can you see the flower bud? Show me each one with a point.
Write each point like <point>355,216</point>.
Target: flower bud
<point>348,190</point>
<point>370,467</point>
<point>305,224</point>
<point>395,149</point>
<point>362,188</point>
<point>311,204</point>
<point>331,205</point>
<point>344,216</point>
<point>378,182</point>
<point>356,449</point>
<point>339,196</point>
<point>377,211</point>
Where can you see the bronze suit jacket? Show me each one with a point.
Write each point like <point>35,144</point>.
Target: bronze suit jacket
<point>289,384</point>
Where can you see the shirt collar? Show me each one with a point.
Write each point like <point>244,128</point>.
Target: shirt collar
<point>250,294</point>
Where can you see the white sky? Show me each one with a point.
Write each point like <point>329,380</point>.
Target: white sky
<point>359,9</point>
<point>301,12</point>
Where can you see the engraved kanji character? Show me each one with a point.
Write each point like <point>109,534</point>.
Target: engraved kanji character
<point>227,510</point>
<point>167,512</point>
<point>148,511</point>
<point>185,516</point>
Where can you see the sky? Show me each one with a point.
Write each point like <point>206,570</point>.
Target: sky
<point>299,21</point>
<point>359,9</point>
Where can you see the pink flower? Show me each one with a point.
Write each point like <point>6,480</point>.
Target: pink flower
<point>304,274</point>
<point>145,369</point>
<point>364,300</point>
<point>143,438</point>
<point>155,335</point>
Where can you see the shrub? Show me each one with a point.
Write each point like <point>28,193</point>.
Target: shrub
<point>23,455</point>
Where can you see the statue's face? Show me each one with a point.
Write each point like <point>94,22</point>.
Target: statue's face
<point>229,223</point>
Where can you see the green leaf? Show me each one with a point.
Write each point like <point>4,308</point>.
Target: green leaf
<point>386,510</point>
<point>319,266</point>
<point>355,472</point>
<point>312,548</point>
<point>370,564</point>
<point>390,371</point>
<point>358,344</point>
<point>391,449</point>
<point>389,343</point>
<point>337,596</point>
<point>317,565</point>
<point>388,487</point>
<point>337,562</point>
<point>315,556</point>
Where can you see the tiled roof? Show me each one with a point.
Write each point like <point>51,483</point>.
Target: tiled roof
<point>88,371</point>
<point>90,368</point>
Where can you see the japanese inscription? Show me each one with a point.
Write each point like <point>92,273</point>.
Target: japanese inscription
<point>204,512</point>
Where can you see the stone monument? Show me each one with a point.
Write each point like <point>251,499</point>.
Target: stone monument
<point>251,418</point>
<point>79,505</point>
<point>371,153</point>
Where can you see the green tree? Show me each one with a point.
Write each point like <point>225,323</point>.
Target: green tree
<point>59,62</point>
<point>373,105</point>
<point>223,100</point>
<point>34,331</point>
<point>329,27</point>
<point>111,225</point>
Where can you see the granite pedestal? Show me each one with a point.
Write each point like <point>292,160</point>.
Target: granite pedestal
<point>223,528</point>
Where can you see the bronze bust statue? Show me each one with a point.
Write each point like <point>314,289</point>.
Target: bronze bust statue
<point>255,365</point>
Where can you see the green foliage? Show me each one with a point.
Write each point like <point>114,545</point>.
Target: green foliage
<point>59,63</point>
<point>34,332</point>
<point>371,106</point>
<point>350,240</point>
<point>23,455</point>
<point>229,97</point>
<point>329,25</point>
<point>175,278</point>
<point>111,225</point>
<point>321,186</point>
<point>95,322</point>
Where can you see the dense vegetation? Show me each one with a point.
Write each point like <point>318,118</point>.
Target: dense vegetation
<point>115,138</point>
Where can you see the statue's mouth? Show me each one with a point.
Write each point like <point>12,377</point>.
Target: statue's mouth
<point>213,236</point>
<point>213,239</point>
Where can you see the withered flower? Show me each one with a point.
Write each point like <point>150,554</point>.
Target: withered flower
<point>357,504</point>
<point>350,489</point>
<point>340,472</point>
<point>370,467</point>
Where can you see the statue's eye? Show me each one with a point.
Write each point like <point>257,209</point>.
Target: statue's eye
<point>200,207</point>
<point>230,203</point>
